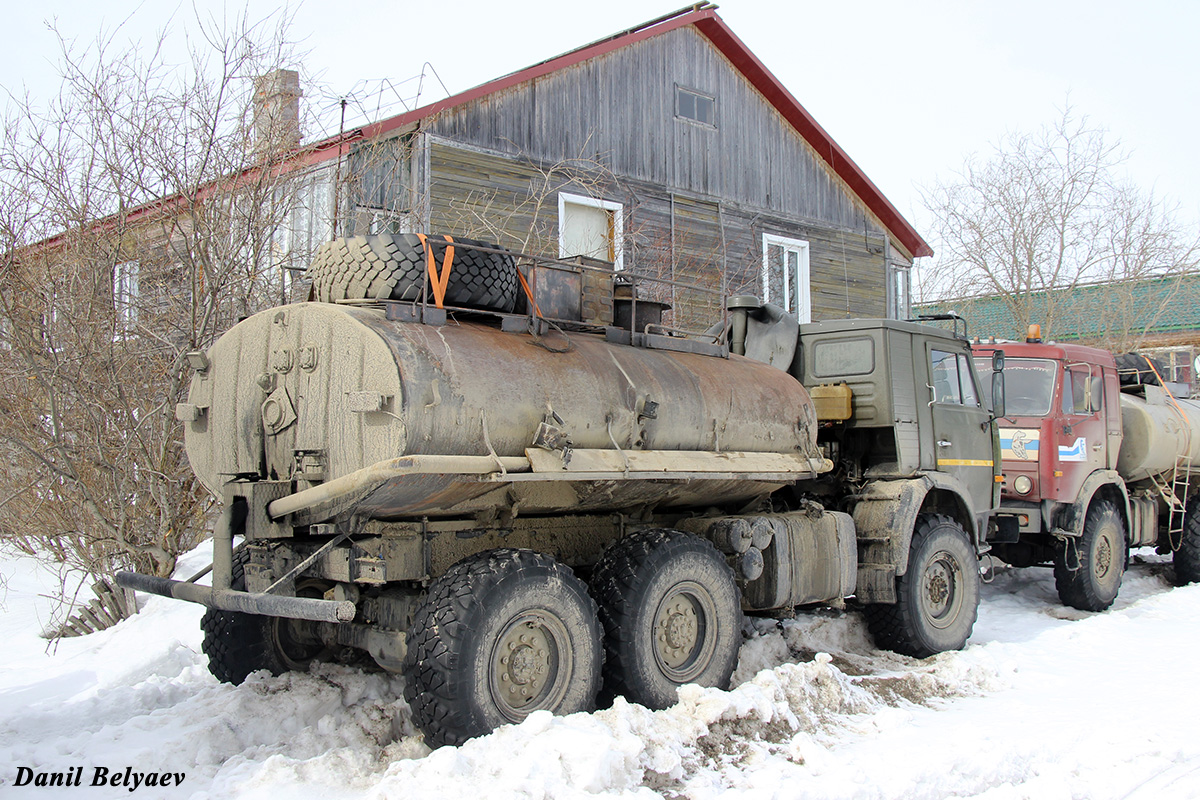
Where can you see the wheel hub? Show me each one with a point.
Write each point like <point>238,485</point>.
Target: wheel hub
<point>682,644</point>
<point>526,670</point>
<point>297,642</point>
<point>1104,557</point>
<point>525,662</point>
<point>939,587</point>
<point>679,629</point>
<point>941,594</point>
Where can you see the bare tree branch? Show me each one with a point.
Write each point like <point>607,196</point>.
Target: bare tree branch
<point>140,216</point>
<point>1044,214</point>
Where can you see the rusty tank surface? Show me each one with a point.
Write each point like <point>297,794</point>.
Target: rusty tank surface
<point>318,392</point>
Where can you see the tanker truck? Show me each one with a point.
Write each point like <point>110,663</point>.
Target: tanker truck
<point>1094,464</point>
<point>534,510</point>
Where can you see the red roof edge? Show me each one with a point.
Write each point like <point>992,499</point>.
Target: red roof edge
<point>736,51</point>
<point>705,18</point>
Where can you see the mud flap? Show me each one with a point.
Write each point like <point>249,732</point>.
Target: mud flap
<point>258,495</point>
<point>884,518</point>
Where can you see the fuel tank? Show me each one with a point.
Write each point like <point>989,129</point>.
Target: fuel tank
<point>317,391</point>
<point>1156,431</point>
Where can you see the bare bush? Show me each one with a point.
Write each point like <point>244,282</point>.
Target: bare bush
<point>141,216</point>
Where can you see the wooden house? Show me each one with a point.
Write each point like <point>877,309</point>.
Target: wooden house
<point>667,150</point>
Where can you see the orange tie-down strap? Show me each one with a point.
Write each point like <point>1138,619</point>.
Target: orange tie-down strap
<point>438,280</point>
<point>528,293</point>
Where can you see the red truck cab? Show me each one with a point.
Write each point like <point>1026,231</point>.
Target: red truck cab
<point>1060,437</point>
<point>1063,418</point>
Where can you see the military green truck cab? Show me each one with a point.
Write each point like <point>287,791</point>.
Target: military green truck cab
<point>902,417</point>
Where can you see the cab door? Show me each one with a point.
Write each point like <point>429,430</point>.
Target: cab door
<point>1081,433</point>
<point>963,441</point>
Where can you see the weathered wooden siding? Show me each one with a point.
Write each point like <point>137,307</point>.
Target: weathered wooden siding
<point>670,235</point>
<point>495,197</point>
<point>619,110</point>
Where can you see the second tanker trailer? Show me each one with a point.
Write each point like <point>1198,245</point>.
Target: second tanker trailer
<point>520,517</point>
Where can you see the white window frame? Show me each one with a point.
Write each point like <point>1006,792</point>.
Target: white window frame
<point>126,290</point>
<point>803,310</point>
<point>618,212</point>
<point>900,291</point>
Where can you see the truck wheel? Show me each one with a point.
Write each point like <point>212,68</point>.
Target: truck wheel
<point>937,597</point>
<point>1187,557</point>
<point>1087,571</point>
<point>504,633</point>
<point>671,614</point>
<point>237,644</point>
<point>393,267</point>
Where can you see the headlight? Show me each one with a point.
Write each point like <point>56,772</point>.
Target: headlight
<point>1022,484</point>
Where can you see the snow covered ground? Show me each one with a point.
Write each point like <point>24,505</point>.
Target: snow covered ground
<point>1045,702</point>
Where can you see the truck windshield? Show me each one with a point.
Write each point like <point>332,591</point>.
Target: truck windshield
<point>1028,384</point>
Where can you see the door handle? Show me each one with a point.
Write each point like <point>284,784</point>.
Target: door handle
<point>1097,447</point>
<point>944,443</point>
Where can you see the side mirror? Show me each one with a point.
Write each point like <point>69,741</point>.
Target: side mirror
<point>998,408</point>
<point>1092,391</point>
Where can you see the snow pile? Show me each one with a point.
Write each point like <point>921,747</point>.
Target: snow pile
<point>1045,702</point>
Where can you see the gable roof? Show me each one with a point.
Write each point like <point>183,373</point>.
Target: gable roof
<point>703,17</point>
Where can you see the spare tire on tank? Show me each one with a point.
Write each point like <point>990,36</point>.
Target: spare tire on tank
<point>1134,369</point>
<point>393,267</point>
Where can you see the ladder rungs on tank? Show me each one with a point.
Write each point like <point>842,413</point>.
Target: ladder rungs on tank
<point>1175,491</point>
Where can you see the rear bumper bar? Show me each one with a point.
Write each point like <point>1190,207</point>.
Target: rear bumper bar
<point>269,605</point>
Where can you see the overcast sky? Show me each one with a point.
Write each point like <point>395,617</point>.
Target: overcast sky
<point>908,89</point>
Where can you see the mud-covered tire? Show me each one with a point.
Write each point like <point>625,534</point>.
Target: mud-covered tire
<point>393,267</point>
<point>1187,557</point>
<point>937,596</point>
<point>502,634</point>
<point>1088,571</point>
<point>671,613</point>
<point>237,644</point>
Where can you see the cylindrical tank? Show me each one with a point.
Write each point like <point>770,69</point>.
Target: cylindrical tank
<point>323,390</point>
<point>1155,434</point>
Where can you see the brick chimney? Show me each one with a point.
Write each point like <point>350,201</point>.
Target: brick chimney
<point>277,111</point>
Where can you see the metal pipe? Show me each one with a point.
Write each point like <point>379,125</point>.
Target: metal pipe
<point>231,600</point>
<point>378,473</point>
<point>222,566</point>
<point>737,337</point>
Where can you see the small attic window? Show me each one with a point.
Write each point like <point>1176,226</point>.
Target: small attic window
<point>695,106</point>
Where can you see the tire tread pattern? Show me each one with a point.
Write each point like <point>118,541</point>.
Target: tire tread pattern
<point>616,584</point>
<point>1187,557</point>
<point>236,643</point>
<point>440,625</point>
<point>895,626</point>
<point>393,267</point>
